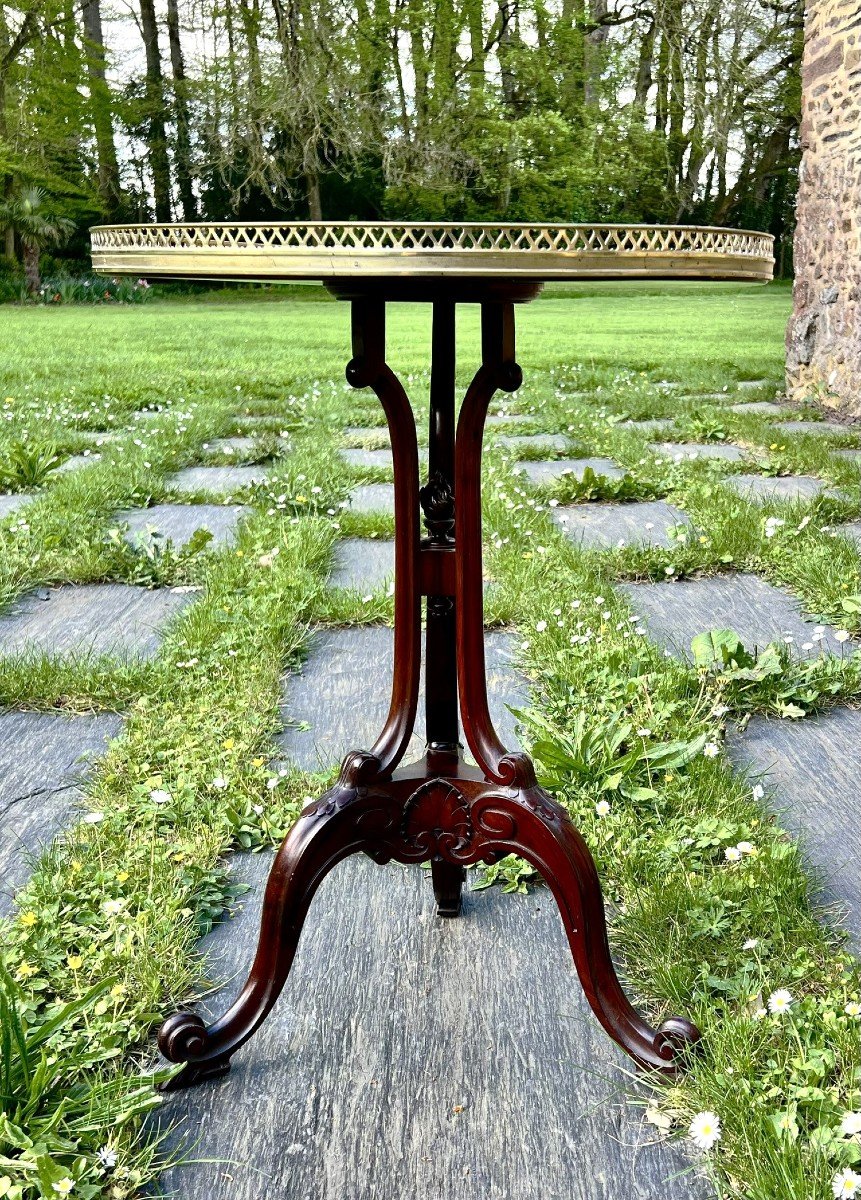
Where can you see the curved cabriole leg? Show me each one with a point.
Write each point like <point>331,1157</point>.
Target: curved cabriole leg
<point>534,826</point>
<point>349,818</point>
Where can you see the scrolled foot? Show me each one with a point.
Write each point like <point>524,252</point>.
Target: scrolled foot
<point>676,1038</point>
<point>182,1036</point>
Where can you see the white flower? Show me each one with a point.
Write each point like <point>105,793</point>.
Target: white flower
<point>705,1130</point>
<point>732,854</point>
<point>746,848</point>
<point>64,1187</point>
<point>711,750</point>
<point>720,710</point>
<point>780,1002</point>
<point>602,808</point>
<point>759,1014</point>
<point>107,1157</point>
<point>751,944</point>
<point>219,782</point>
<point>540,626</point>
<point>644,732</point>
<point>852,1009</point>
<point>851,1124</point>
<point>758,791</point>
<point>112,907</point>
<point>842,635</point>
<point>845,1183</point>
<point>94,818</point>
<point>159,796</point>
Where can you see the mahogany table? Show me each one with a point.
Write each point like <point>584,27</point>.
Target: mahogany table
<point>439,809</point>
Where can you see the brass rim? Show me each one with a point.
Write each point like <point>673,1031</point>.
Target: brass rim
<point>336,250</point>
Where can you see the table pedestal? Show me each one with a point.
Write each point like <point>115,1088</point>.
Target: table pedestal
<point>438,809</point>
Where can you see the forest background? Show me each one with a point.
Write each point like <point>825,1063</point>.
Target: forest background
<point>510,110</point>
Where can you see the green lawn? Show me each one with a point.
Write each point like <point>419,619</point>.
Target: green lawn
<point>100,944</point>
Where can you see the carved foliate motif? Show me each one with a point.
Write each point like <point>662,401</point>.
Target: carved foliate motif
<point>437,821</point>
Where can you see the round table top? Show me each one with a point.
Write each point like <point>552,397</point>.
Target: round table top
<point>327,250</point>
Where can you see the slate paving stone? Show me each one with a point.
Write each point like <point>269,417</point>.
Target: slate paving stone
<point>692,450</point>
<point>76,462</point>
<point>11,503</point>
<point>851,530</point>
<point>238,447</point>
<point>653,425</point>
<point>179,522</point>
<point>42,758</point>
<point>816,775</point>
<point>359,432</point>
<point>344,689</point>
<point>674,613</point>
<point>764,407</point>
<point>533,441</point>
<point>753,383</point>
<point>373,498</point>
<point>647,522</point>
<point>551,469</point>
<point>219,480</point>
<point>411,1056</point>
<point>852,455</point>
<point>376,459</point>
<point>777,487</point>
<point>362,563</point>
<point>497,419</point>
<point>816,427</point>
<point>100,618</point>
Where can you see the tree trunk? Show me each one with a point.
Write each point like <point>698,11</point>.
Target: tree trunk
<point>595,51</point>
<point>100,107</point>
<point>159,162</point>
<point>183,124</point>
<point>312,184</point>
<point>31,269</point>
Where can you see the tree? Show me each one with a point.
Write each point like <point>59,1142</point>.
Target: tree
<point>25,217</point>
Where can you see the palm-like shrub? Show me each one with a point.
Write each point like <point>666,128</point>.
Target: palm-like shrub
<point>35,227</point>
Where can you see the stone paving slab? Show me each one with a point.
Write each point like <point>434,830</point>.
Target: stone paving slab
<point>344,689</point>
<point>533,441</point>
<point>777,487</point>
<point>494,420</point>
<point>763,407</point>
<point>410,1056</point>
<point>557,468</point>
<point>219,480</point>
<point>852,531</point>
<point>373,498</point>
<point>693,450</point>
<point>815,770</point>
<point>11,503</point>
<point>99,618</point>
<point>818,427</point>
<point>376,459</point>
<point>42,756</point>
<point>179,522</point>
<point>653,425</point>
<point>674,613</point>
<point>238,446</point>
<point>852,455</point>
<point>362,563</point>
<point>646,522</point>
<point>363,431</point>
<point>76,462</point>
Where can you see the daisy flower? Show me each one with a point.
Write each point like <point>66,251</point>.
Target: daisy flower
<point>851,1124</point>
<point>780,1002</point>
<point>705,1131</point>
<point>845,1183</point>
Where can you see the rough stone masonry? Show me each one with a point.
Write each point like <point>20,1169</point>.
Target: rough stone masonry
<point>823,338</point>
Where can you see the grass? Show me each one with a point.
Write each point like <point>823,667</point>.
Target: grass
<point>101,942</point>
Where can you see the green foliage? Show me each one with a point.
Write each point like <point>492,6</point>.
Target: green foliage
<point>26,465</point>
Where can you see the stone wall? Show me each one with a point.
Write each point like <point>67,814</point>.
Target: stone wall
<point>823,339</point>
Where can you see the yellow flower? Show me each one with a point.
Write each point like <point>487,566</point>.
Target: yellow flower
<point>118,990</point>
<point>301,499</point>
<point>258,762</point>
<point>240,554</point>
<point>122,876</point>
<point>228,744</point>
<point>75,962</point>
<point>76,864</point>
<point>25,970</point>
<point>28,919</point>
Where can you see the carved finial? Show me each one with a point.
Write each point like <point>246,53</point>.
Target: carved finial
<point>437,501</point>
